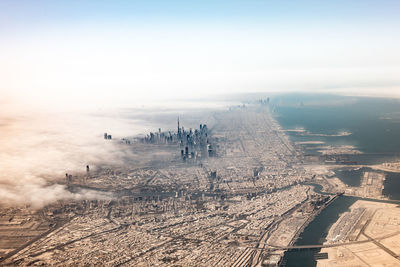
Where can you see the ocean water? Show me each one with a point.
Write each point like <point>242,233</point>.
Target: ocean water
<point>350,176</point>
<point>373,124</point>
<point>392,186</point>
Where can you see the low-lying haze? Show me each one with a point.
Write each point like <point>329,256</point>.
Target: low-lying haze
<point>38,148</point>
<point>58,58</point>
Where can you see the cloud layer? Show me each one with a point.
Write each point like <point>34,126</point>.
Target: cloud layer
<point>38,149</point>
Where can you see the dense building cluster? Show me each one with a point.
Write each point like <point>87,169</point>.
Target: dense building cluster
<point>193,144</point>
<point>240,207</point>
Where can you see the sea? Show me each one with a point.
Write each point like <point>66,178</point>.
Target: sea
<point>370,126</point>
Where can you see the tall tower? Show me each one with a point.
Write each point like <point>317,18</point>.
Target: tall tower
<point>179,129</point>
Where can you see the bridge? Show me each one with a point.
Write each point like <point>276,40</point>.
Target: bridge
<point>300,247</point>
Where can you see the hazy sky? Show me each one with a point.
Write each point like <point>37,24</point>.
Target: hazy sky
<point>101,53</point>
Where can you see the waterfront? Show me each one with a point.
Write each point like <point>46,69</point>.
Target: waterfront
<point>342,121</point>
<point>256,192</point>
<point>337,130</point>
<point>353,177</point>
<point>316,232</point>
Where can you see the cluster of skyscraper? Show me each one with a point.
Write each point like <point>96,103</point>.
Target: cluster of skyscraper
<point>264,101</point>
<point>193,143</point>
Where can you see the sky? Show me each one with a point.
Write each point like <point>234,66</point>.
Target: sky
<point>58,58</point>
<point>125,53</point>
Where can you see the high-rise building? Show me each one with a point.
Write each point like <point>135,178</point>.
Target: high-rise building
<point>179,130</point>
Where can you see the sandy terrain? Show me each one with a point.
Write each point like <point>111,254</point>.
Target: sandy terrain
<point>380,224</point>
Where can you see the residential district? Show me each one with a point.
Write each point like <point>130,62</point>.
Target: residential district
<point>231,192</point>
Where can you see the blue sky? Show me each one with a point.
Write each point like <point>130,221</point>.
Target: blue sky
<point>102,50</point>
<point>228,11</point>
